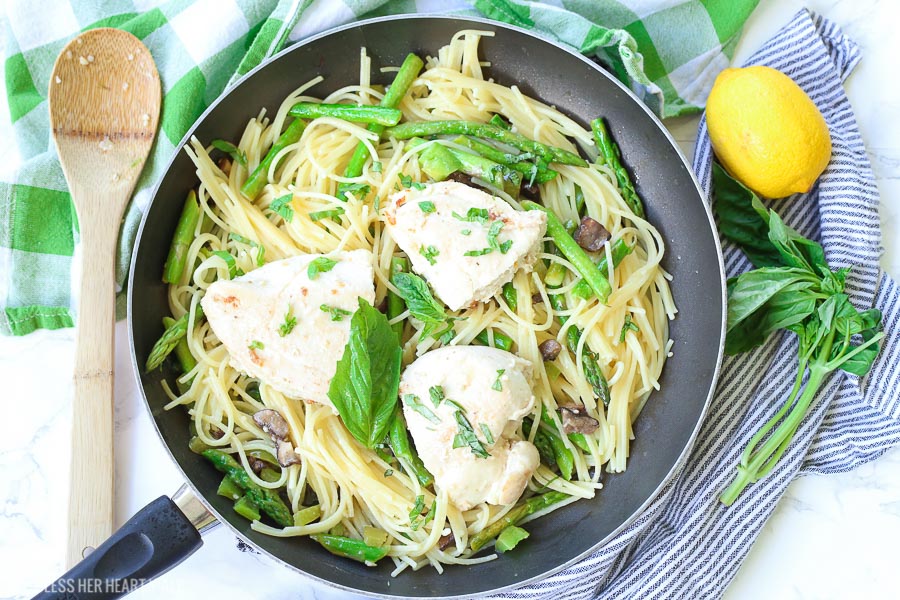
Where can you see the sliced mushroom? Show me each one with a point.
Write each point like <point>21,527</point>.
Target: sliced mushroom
<point>591,235</point>
<point>532,192</point>
<point>257,464</point>
<point>272,423</point>
<point>446,541</point>
<point>576,420</point>
<point>224,165</point>
<point>286,454</point>
<point>536,298</point>
<point>216,432</point>
<point>550,349</point>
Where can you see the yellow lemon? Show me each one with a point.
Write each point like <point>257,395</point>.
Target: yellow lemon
<point>766,131</point>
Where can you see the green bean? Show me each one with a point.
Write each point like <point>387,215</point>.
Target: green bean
<point>372,115</point>
<point>182,352</point>
<point>518,162</point>
<point>501,340</point>
<point>609,151</point>
<point>499,176</point>
<point>268,500</point>
<point>575,253</point>
<point>181,241</point>
<point>514,517</point>
<point>169,340</point>
<point>401,447</point>
<point>351,548</point>
<point>619,251</point>
<point>258,178</point>
<point>487,131</point>
<point>396,305</point>
<point>408,72</point>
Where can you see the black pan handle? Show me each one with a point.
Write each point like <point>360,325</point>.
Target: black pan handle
<point>153,541</point>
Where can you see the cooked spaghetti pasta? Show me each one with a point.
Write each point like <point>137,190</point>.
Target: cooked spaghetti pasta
<point>357,488</point>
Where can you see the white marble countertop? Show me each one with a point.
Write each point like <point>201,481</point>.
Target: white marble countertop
<point>831,536</point>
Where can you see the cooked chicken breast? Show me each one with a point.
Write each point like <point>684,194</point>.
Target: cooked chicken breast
<point>465,242</point>
<point>287,329</point>
<point>463,405</point>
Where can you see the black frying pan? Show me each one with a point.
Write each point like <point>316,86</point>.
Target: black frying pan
<point>160,535</point>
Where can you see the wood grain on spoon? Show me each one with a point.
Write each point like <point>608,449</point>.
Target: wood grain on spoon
<point>104,109</point>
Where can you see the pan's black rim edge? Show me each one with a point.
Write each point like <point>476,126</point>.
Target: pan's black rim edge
<point>682,457</point>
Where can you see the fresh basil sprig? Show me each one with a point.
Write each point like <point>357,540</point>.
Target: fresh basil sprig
<point>792,288</point>
<point>365,384</point>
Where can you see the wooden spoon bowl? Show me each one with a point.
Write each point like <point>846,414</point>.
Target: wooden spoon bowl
<point>104,110</point>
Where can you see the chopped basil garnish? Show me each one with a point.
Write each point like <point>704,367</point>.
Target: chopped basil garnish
<point>230,262</point>
<point>290,321</point>
<point>467,437</point>
<point>429,252</point>
<point>437,394</point>
<point>261,250</point>
<point>498,385</point>
<point>629,324</point>
<point>282,206</point>
<point>412,401</point>
<point>337,314</point>
<point>323,264</point>
<point>236,153</point>
<point>318,215</point>
<point>474,215</point>
<point>488,436</point>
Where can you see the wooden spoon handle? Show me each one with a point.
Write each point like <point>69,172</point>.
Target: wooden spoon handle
<point>92,468</point>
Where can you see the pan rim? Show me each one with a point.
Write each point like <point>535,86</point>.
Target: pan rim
<point>689,445</point>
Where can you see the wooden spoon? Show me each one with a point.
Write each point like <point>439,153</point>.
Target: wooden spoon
<point>104,109</point>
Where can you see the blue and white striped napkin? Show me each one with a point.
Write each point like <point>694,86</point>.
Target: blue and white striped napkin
<point>687,544</point>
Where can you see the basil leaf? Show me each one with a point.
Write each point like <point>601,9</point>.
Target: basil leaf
<point>337,314</point>
<point>290,321</point>
<point>360,190</point>
<point>236,153</point>
<point>739,221</point>
<point>323,264</point>
<point>430,253</point>
<point>467,436</point>
<point>418,298</point>
<point>427,206</point>
<point>365,383</point>
<point>412,401</point>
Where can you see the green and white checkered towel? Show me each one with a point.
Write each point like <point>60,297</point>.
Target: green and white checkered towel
<point>668,51</point>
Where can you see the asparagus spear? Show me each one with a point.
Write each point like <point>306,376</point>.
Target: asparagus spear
<point>611,155</point>
<point>257,179</point>
<point>267,500</point>
<point>592,370</point>
<point>501,340</point>
<point>485,130</point>
<point>511,296</point>
<point>619,251</point>
<point>518,162</point>
<point>351,548</point>
<point>396,305</point>
<point>597,281</point>
<point>514,517</point>
<point>377,115</point>
<point>436,160</point>
<point>169,339</point>
<point>182,352</point>
<point>181,241</point>
<point>408,72</point>
<point>403,449</point>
